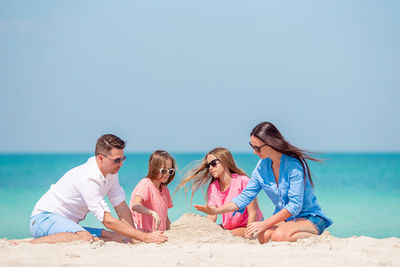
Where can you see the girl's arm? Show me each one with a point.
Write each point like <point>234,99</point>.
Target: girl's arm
<point>168,224</point>
<point>252,210</point>
<point>138,207</point>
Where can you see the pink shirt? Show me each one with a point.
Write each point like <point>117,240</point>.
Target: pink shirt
<point>153,199</point>
<point>218,198</point>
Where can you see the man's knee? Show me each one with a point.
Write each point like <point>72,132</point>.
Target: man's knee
<point>84,235</point>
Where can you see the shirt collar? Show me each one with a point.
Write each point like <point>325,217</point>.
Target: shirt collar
<point>93,165</point>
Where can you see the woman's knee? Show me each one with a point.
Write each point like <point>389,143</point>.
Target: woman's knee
<point>265,236</point>
<point>279,236</point>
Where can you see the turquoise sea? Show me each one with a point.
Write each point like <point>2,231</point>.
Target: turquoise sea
<point>360,192</point>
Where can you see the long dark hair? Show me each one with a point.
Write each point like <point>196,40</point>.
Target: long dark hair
<point>270,135</point>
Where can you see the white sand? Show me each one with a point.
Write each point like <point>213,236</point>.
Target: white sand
<point>195,241</point>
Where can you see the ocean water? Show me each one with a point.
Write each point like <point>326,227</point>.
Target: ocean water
<point>359,192</point>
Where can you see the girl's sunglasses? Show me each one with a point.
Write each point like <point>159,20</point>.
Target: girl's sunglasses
<point>169,171</point>
<point>212,163</point>
<point>257,148</point>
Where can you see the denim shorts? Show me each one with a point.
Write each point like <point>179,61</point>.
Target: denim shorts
<point>319,222</point>
<point>47,223</point>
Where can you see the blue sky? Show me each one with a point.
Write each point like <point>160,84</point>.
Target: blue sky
<point>193,75</point>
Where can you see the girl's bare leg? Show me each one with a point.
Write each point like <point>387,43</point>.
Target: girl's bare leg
<point>238,231</point>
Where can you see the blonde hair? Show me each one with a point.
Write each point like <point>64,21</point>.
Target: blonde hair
<point>199,176</point>
<point>157,159</point>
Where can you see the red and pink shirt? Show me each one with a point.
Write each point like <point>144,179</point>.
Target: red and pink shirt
<point>154,199</point>
<point>218,198</point>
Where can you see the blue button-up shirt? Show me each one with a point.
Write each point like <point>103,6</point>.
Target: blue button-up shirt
<point>293,192</point>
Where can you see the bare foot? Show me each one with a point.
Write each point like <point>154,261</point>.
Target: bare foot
<point>326,232</point>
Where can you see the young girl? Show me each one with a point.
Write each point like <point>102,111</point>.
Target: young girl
<point>225,181</point>
<point>284,175</point>
<point>150,200</point>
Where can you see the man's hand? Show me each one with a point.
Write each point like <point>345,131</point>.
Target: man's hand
<point>157,237</point>
<point>210,210</point>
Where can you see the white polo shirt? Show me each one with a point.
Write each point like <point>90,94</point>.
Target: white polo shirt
<point>81,190</point>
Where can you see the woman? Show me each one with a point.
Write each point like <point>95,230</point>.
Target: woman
<point>225,181</point>
<point>284,175</point>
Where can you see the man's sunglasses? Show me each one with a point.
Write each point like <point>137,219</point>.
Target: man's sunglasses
<point>116,161</point>
<point>169,171</point>
<point>212,163</point>
<point>257,148</point>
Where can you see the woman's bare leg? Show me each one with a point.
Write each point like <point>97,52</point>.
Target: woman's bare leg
<point>265,236</point>
<point>294,230</point>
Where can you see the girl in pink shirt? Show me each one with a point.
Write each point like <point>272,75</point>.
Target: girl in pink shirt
<point>225,181</point>
<point>150,200</point>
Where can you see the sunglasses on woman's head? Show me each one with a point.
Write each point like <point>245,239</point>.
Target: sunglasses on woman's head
<point>169,171</point>
<point>256,148</point>
<point>212,163</point>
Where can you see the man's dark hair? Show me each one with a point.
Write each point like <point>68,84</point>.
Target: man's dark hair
<point>107,142</point>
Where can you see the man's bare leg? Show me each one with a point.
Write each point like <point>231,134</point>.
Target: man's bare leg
<point>63,237</point>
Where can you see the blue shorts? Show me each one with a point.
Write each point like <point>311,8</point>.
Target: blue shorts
<point>47,223</point>
<point>319,222</point>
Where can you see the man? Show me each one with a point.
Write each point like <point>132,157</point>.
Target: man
<point>56,215</point>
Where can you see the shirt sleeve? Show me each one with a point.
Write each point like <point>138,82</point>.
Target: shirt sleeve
<point>90,192</point>
<point>142,190</point>
<point>116,195</point>
<point>249,193</point>
<point>295,191</point>
<point>211,195</point>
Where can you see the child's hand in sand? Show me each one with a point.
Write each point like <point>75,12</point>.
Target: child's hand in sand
<point>210,210</point>
<point>253,229</point>
<point>156,218</point>
<point>157,237</point>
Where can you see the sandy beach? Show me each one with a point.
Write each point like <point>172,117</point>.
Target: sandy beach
<point>195,241</point>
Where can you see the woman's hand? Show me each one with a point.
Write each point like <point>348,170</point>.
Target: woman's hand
<point>210,210</point>
<point>156,218</point>
<point>253,229</point>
